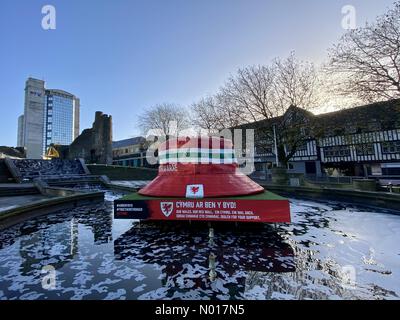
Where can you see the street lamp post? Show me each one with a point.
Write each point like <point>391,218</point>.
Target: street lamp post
<point>276,147</point>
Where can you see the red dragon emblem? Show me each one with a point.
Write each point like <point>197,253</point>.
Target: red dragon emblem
<point>195,189</point>
<point>167,208</point>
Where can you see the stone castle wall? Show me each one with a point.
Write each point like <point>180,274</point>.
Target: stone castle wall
<point>94,145</point>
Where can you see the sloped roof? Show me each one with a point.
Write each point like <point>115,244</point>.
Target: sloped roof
<point>269,122</point>
<point>379,112</point>
<point>128,142</point>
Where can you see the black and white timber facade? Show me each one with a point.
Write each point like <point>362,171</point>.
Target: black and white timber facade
<point>359,141</point>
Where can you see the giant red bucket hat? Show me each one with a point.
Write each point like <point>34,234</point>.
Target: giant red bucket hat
<point>199,168</point>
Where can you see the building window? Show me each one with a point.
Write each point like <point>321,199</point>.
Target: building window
<point>388,125</point>
<point>305,131</point>
<point>302,146</point>
<point>263,150</point>
<point>365,149</point>
<point>391,147</point>
<point>350,129</point>
<point>337,151</point>
<point>338,132</point>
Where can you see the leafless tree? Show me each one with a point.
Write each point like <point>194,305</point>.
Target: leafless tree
<point>367,59</point>
<point>166,119</point>
<point>251,91</point>
<point>214,113</point>
<point>295,84</point>
<point>263,92</point>
<point>206,115</point>
<point>258,93</point>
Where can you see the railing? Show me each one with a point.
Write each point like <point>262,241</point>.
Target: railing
<point>261,175</point>
<point>386,177</point>
<point>330,179</point>
<point>382,179</point>
<point>387,181</point>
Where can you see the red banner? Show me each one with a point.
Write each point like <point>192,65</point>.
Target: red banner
<point>235,210</point>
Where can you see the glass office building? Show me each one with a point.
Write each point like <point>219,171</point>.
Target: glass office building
<point>59,117</point>
<point>51,116</point>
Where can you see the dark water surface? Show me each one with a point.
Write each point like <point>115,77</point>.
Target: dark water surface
<point>330,251</point>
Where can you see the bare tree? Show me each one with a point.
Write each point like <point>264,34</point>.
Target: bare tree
<point>214,113</point>
<point>258,93</point>
<point>367,59</point>
<point>166,119</point>
<point>295,84</point>
<point>251,92</point>
<point>264,92</point>
<point>295,88</point>
<point>206,114</point>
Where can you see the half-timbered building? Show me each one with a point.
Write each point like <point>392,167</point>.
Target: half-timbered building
<point>359,141</point>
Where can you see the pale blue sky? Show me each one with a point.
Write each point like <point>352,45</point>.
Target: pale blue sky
<point>122,56</point>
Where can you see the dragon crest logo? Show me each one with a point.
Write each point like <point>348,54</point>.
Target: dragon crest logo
<point>167,208</point>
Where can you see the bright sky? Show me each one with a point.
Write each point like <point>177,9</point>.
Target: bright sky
<point>122,56</point>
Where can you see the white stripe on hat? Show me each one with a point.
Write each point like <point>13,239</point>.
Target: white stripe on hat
<point>198,160</point>
<point>202,150</point>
